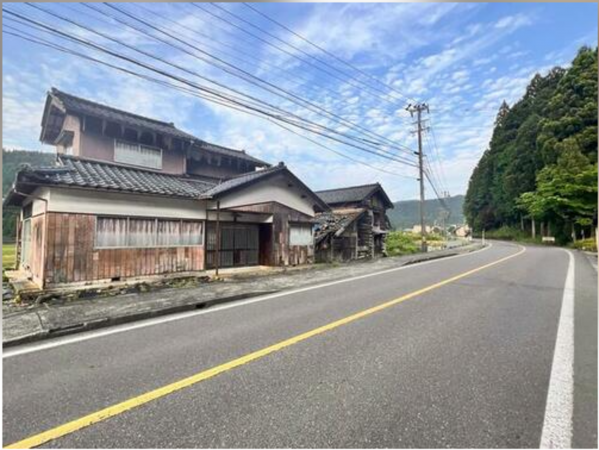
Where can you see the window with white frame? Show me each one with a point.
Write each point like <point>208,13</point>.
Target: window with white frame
<point>300,234</point>
<point>137,155</point>
<point>114,232</point>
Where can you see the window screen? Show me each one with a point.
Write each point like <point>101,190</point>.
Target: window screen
<point>191,233</point>
<point>142,233</point>
<point>139,233</point>
<point>137,155</point>
<point>111,232</point>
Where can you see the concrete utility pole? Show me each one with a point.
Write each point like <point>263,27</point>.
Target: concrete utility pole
<point>445,216</point>
<point>418,108</point>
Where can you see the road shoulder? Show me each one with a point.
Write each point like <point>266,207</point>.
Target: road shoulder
<point>49,321</point>
<point>585,353</point>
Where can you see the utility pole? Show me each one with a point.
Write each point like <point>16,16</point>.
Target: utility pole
<point>418,108</point>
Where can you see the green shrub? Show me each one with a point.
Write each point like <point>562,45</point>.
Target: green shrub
<point>8,256</point>
<point>433,237</point>
<point>506,233</point>
<point>589,245</point>
<point>401,243</point>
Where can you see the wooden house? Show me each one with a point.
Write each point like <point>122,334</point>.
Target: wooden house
<point>132,197</point>
<point>355,227</point>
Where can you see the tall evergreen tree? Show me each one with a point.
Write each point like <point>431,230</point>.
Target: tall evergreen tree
<point>557,115</point>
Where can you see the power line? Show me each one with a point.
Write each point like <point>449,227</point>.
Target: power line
<point>270,87</point>
<point>341,154</point>
<point>438,155</point>
<point>277,47</point>
<point>33,39</point>
<point>332,55</point>
<point>295,47</point>
<point>194,85</point>
<point>310,127</point>
<point>240,103</point>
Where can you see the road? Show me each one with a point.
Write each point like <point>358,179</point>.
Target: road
<point>457,352</point>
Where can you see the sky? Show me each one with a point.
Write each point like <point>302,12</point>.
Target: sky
<point>462,59</point>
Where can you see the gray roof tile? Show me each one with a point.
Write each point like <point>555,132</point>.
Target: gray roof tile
<point>99,175</point>
<point>241,180</point>
<point>351,194</point>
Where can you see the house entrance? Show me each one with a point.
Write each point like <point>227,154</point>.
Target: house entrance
<point>239,245</point>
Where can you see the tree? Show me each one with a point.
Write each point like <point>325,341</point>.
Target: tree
<point>12,160</point>
<point>566,192</point>
<point>556,116</point>
<point>572,111</point>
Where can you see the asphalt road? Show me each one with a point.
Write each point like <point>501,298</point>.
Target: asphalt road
<point>462,363</point>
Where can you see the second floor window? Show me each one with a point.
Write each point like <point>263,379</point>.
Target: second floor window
<point>137,155</point>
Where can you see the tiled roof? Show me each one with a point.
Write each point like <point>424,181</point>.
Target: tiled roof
<point>241,180</point>
<point>334,222</point>
<point>349,194</point>
<point>74,104</point>
<point>80,105</point>
<point>252,177</point>
<point>75,172</point>
<point>225,151</point>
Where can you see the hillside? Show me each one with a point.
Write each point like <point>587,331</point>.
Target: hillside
<point>407,214</point>
<point>11,161</point>
<point>540,169</point>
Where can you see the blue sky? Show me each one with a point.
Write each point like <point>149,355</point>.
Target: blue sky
<point>463,59</point>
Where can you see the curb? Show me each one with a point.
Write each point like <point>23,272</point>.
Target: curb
<point>105,322</point>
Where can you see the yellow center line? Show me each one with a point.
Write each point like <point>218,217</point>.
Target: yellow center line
<point>119,408</point>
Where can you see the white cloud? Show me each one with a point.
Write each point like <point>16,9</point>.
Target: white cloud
<point>513,22</point>
<point>438,52</point>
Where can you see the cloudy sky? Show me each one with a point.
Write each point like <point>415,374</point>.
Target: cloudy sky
<point>462,59</point>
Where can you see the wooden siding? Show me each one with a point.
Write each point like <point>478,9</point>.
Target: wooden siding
<point>281,253</point>
<point>341,248</point>
<point>71,256</point>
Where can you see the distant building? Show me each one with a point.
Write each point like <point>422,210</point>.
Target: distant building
<point>462,231</point>
<point>416,229</point>
<point>355,227</point>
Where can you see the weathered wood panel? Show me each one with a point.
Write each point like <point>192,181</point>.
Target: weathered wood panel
<point>36,262</point>
<point>71,255</point>
<point>278,251</point>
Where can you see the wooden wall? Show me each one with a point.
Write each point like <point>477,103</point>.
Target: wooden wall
<point>71,256</point>
<point>281,253</point>
<point>341,248</point>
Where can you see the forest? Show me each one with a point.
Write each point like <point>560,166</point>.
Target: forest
<point>12,160</point>
<point>539,173</point>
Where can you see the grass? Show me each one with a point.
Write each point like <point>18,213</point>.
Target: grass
<point>586,244</point>
<point>401,243</point>
<point>8,256</point>
<point>506,233</point>
<point>406,243</point>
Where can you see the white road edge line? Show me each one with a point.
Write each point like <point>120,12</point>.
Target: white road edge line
<point>57,342</point>
<point>557,425</point>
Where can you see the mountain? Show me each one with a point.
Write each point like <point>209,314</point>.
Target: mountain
<point>406,213</point>
<point>11,161</point>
